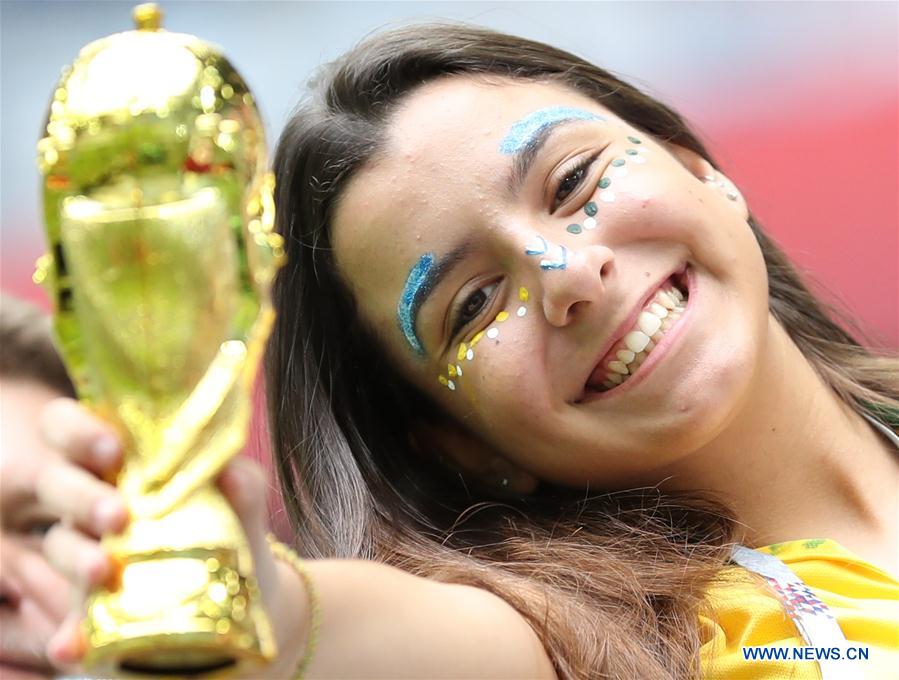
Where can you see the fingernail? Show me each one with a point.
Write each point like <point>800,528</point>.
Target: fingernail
<point>95,568</point>
<point>54,650</point>
<point>60,650</point>
<point>106,450</point>
<point>109,514</point>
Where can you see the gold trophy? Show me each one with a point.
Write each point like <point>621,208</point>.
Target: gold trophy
<point>159,216</point>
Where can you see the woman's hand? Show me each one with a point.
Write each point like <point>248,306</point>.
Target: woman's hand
<point>73,487</point>
<point>243,482</point>
<point>377,621</point>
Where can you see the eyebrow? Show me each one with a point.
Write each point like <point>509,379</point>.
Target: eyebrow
<point>527,137</point>
<point>423,279</point>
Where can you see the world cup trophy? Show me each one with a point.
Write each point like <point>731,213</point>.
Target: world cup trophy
<point>159,217</point>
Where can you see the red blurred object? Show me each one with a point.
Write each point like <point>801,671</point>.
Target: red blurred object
<point>824,182</point>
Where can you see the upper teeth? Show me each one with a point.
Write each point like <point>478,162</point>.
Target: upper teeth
<point>649,323</point>
<point>657,317</point>
<point>636,341</point>
<point>659,310</point>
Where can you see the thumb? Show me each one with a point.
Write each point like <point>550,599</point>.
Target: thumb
<point>244,484</point>
<point>67,646</point>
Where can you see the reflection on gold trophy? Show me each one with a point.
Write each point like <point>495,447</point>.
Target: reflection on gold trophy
<point>159,218</point>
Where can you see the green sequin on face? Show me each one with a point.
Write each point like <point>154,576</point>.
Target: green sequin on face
<point>633,140</point>
<point>573,228</point>
<point>618,162</point>
<point>604,182</point>
<point>590,209</point>
<point>631,152</point>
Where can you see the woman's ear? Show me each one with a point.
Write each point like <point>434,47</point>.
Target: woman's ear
<point>463,452</point>
<point>706,173</point>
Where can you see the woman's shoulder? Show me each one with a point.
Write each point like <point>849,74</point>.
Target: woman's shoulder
<point>825,565</point>
<point>744,611</point>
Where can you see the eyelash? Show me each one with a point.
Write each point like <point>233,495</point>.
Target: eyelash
<point>578,171</point>
<point>458,320</point>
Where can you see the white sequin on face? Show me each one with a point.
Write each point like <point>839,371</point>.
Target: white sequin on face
<point>465,350</point>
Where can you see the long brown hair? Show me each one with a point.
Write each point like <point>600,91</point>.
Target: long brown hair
<point>612,583</point>
<point>28,352</point>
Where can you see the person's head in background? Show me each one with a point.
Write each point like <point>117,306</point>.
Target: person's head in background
<point>400,155</point>
<point>34,596</point>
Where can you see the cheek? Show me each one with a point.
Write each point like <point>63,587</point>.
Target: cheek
<point>510,390</point>
<point>494,375</point>
<point>642,194</point>
<point>708,230</point>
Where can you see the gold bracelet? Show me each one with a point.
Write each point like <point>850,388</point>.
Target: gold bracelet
<point>287,555</point>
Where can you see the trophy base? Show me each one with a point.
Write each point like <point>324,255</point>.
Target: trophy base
<point>178,662</point>
<point>178,614</point>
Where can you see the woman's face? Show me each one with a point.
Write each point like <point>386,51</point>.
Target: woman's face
<point>522,253</point>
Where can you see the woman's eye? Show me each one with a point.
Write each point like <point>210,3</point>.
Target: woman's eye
<point>572,179</point>
<point>569,183</point>
<point>472,306</point>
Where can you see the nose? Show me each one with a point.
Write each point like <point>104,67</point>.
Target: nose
<point>581,282</point>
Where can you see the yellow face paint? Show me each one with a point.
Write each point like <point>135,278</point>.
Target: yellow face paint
<point>463,349</point>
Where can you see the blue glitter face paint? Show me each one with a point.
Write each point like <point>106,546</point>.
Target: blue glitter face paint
<point>537,248</point>
<point>560,262</point>
<point>523,133</point>
<point>542,248</point>
<point>417,283</point>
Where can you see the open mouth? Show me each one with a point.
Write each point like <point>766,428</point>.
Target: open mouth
<point>657,317</point>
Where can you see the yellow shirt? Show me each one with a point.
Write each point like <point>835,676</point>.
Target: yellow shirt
<point>862,598</point>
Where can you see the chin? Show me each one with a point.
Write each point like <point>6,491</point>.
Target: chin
<point>705,406</point>
<point>694,398</point>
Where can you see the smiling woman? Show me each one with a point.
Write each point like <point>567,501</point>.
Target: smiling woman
<point>660,230</point>
<point>548,397</point>
<point>516,278</point>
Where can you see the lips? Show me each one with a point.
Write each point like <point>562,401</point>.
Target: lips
<point>623,337</point>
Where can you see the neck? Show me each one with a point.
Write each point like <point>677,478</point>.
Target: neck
<point>797,462</point>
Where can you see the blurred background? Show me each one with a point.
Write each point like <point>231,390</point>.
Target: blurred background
<point>798,101</point>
